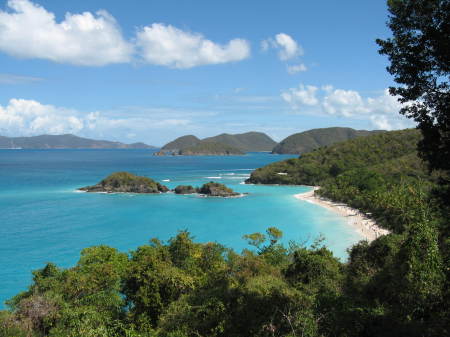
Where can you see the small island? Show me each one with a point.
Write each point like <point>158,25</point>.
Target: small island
<point>125,182</point>
<point>213,189</point>
<point>185,189</point>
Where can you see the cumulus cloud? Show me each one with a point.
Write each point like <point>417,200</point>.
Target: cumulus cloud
<point>87,39</point>
<point>296,68</point>
<point>30,117</point>
<point>287,47</point>
<point>303,95</point>
<point>169,46</point>
<point>382,111</point>
<point>28,30</point>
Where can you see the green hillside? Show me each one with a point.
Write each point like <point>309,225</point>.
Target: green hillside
<point>379,174</point>
<point>247,142</point>
<point>210,148</point>
<point>181,143</point>
<point>326,162</point>
<point>64,142</point>
<point>394,286</point>
<point>312,139</point>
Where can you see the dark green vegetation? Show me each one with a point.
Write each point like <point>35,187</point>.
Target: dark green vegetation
<point>244,142</point>
<point>210,189</point>
<point>419,59</point>
<point>210,149</point>
<point>185,189</point>
<point>376,151</point>
<point>309,140</point>
<point>375,174</point>
<point>182,288</point>
<point>398,285</point>
<point>64,142</point>
<point>125,182</point>
<point>213,189</point>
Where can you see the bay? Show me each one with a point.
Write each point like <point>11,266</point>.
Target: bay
<point>44,219</point>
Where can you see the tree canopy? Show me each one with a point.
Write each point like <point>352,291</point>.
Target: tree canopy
<point>419,57</point>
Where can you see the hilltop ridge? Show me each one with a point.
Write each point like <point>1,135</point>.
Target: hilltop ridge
<point>244,142</point>
<point>307,141</point>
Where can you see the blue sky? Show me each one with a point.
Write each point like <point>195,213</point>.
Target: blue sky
<point>155,70</point>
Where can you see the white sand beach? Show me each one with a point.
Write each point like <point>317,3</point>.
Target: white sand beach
<point>358,220</point>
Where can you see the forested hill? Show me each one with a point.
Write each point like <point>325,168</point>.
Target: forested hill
<point>181,143</point>
<point>67,141</point>
<point>210,149</point>
<point>312,139</point>
<point>390,153</point>
<point>247,142</point>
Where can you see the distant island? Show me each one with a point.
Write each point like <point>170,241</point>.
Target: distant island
<point>67,141</point>
<point>307,141</point>
<point>297,143</point>
<point>237,144</point>
<point>126,182</point>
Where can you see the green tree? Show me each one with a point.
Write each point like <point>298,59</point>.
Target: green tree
<point>419,59</point>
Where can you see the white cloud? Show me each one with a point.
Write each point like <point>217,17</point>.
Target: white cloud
<point>382,111</point>
<point>296,68</point>
<point>87,39</point>
<point>21,117</point>
<point>303,95</point>
<point>344,102</point>
<point>173,47</point>
<point>28,117</point>
<point>28,30</point>
<point>287,46</point>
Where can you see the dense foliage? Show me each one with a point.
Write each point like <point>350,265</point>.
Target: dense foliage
<point>126,182</point>
<point>312,139</point>
<point>216,190</point>
<point>419,59</point>
<point>185,189</point>
<point>210,148</point>
<point>375,151</point>
<point>398,285</point>
<point>182,288</point>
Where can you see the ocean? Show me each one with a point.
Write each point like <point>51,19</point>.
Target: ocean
<point>44,219</point>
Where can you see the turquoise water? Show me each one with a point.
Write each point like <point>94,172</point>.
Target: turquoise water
<point>43,218</point>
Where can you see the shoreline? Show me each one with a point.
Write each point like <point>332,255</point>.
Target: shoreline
<point>365,226</point>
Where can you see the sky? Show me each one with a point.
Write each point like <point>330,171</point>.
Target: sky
<point>150,71</point>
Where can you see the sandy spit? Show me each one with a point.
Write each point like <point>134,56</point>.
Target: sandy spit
<point>359,221</point>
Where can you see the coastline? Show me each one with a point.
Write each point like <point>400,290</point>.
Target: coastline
<point>365,226</point>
